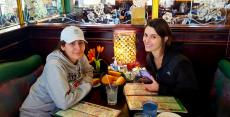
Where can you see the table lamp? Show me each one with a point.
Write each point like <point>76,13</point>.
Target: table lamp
<point>124,46</point>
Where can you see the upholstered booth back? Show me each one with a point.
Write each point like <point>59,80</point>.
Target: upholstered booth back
<point>16,78</point>
<point>221,89</point>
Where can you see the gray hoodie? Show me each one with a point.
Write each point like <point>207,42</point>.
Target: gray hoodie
<point>61,85</point>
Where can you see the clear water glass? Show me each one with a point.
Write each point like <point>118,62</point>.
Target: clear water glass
<point>111,91</point>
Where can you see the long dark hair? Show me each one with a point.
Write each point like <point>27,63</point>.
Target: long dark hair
<point>163,30</point>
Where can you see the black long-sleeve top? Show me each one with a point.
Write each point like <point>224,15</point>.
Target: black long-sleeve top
<point>175,77</point>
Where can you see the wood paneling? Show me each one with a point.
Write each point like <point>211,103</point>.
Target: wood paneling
<point>13,45</point>
<point>203,45</point>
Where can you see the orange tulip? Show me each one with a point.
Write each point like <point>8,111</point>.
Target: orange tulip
<point>91,55</point>
<point>100,49</point>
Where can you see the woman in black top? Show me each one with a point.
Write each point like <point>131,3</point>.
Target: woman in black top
<point>171,72</point>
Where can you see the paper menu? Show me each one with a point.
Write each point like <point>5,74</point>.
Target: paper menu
<point>83,109</point>
<point>136,89</point>
<point>165,103</point>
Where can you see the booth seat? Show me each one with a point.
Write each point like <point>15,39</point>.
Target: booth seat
<point>221,89</point>
<point>16,78</point>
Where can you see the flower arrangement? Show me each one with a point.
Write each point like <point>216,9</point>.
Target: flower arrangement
<point>93,58</point>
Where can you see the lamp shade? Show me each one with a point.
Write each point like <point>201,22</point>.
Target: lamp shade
<point>124,46</point>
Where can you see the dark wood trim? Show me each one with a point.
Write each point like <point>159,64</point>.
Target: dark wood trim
<point>203,45</point>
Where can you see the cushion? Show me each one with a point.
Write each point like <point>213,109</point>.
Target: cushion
<point>14,69</point>
<point>218,82</point>
<point>14,92</point>
<point>224,66</point>
<point>221,75</point>
<point>221,89</point>
<point>224,100</point>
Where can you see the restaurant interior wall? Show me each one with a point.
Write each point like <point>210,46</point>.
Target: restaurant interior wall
<point>185,12</point>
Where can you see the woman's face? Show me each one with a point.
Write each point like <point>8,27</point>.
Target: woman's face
<point>152,40</point>
<point>74,50</point>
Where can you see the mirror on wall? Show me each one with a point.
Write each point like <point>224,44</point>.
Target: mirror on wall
<point>8,13</point>
<point>34,10</point>
<point>106,11</point>
<point>194,11</point>
<point>185,12</point>
<point>98,11</point>
<point>103,11</point>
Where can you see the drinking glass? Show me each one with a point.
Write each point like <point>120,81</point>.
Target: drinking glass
<point>150,108</point>
<point>111,91</point>
<point>140,114</point>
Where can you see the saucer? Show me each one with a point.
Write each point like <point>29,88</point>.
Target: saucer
<point>168,114</point>
<point>97,85</point>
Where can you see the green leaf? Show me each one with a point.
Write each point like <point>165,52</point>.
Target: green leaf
<point>98,65</point>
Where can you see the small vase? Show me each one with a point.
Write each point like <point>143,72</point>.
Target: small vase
<point>103,69</point>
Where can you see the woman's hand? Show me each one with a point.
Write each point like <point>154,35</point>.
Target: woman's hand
<point>152,87</point>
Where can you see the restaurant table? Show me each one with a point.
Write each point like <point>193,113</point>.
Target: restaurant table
<point>98,96</point>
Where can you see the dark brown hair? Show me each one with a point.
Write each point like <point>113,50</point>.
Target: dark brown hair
<point>162,28</point>
<point>60,43</point>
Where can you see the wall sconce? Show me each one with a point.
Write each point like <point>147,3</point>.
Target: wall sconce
<point>124,46</point>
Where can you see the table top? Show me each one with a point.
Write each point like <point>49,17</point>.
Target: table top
<point>98,96</point>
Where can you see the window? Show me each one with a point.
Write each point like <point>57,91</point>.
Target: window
<point>39,9</point>
<point>8,13</point>
<point>85,3</point>
<point>194,11</point>
<point>113,11</point>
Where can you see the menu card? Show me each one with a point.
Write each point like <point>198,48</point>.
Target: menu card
<point>136,96</point>
<point>136,89</point>
<point>86,109</point>
<point>165,103</point>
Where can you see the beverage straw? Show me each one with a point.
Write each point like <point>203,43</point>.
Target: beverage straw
<point>108,81</point>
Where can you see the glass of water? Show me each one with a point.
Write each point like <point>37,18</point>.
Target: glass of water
<point>141,114</point>
<point>111,91</point>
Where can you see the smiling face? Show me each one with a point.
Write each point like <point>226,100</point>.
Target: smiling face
<point>74,50</point>
<point>152,41</point>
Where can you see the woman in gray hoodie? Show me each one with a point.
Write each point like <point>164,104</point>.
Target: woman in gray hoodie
<point>66,78</point>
